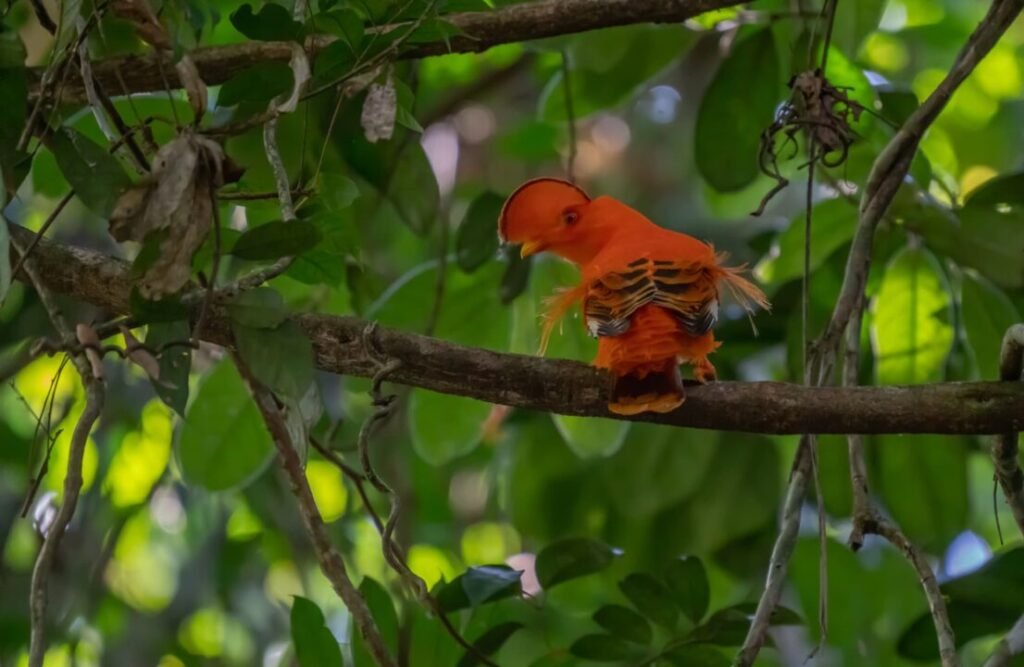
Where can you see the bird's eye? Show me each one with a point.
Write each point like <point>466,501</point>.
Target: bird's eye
<point>570,217</point>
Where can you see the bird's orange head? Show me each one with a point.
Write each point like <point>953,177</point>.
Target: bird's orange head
<point>550,214</point>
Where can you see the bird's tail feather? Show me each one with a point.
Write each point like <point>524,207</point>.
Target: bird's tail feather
<point>658,390</point>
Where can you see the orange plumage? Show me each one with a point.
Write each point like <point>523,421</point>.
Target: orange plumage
<point>649,294</point>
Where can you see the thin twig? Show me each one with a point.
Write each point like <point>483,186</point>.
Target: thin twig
<point>1004,449</point>
<point>781,553</point>
<point>331,563</point>
<point>570,119</point>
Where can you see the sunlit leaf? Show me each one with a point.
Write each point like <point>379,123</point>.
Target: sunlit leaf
<point>987,313</point>
<point>911,320</point>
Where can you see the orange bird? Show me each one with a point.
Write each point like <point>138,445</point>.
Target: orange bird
<point>649,295</point>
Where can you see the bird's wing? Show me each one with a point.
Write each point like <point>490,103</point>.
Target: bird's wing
<point>684,287</point>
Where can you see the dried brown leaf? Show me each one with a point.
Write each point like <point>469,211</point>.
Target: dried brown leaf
<point>379,111</point>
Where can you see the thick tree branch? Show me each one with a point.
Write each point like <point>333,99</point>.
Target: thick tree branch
<point>568,387</point>
<point>479,32</point>
<point>1004,450</point>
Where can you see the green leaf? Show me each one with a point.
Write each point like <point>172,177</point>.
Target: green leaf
<point>911,315</point>
<point>168,309</point>
<point>383,611</point>
<point>272,23</point>
<point>735,109</point>
<point>624,622</point>
<point>833,225</point>
<point>277,239</point>
<point>175,363</point>
<point>729,626</point>
<point>651,598</point>
<point>445,427</point>
<point>13,86</point>
<point>260,307</point>
<point>259,83</point>
<point>478,585</point>
<point>332,63</point>
<point>477,238</point>
<point>983,238</point>
<point>413,189</point>
<point>315,645</point>
<point>343,22</point>
<point>687,581</point>
<point>92,171</point>
<point>984,602</point>
<point>987,313</point>
<point>657,468</point>
<point>516,277</point>
<point>609,66</point>
<point>853,22</point>
<point>918,642</point>
<point>924,483</point>
<point>571,558</point>
<point>604,648</point>
<point>489,642</point>
<point>280,358</point>
<point>223,441</point>
<point>1006,189</point>
<point>697,656</point>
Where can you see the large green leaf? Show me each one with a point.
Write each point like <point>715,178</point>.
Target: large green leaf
<point>272,23</point>
<point>605,648</point>
<point>477,238</point>
<point>834,222</point>
<point>911,320</point>
<point>924,484</point>
<point>981,237</point>
<point>445,427</point>
<point>984,602</point>
<point>315,646</point>
<point>736,108</point>
<point>489,642</point>
<point>281,358</point>
<point>223,441</point>
<point>608,66</point>
<point>96,176</point>
<point>987,314</point>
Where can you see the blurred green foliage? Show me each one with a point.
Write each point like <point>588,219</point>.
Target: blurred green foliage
<point>548,540</point>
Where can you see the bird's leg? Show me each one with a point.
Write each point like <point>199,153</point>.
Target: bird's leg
<point>704,371</point>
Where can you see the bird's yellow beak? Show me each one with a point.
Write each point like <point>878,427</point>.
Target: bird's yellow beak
<point>530,248</point>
